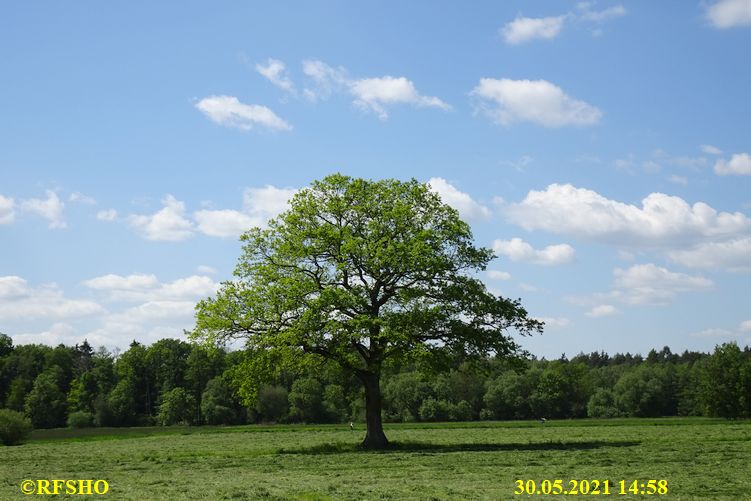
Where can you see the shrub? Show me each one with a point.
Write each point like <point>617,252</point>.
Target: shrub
<point>14,427</point>
<point>216,403</point>
<point>461,411</point>
<point>80,419</point>
<point>273,403</point>
<point>435,410</point>
<point>178,407</point>
<point>602,405</point>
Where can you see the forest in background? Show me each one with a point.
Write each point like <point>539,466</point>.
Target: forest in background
<point>175,382</point>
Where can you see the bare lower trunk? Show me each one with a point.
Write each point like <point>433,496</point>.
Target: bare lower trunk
<point>374,438</point>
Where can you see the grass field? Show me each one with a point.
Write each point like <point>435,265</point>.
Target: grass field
<point>700,459</point>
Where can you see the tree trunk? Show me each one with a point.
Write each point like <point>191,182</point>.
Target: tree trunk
<point>374,438</point>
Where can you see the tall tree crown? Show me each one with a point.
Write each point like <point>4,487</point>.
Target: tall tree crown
<point>357,271</point>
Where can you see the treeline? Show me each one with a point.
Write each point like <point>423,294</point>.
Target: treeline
<point>174,382</point>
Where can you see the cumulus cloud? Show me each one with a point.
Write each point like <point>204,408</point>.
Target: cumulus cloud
<point>276,73</point>
<point>50,209</point>
<point>499,275</point>
<point>731,255</point>
<point>107,215</point>
<point>599,16</point>
<point>162,309</point>
<point>652,284</point>
<point>147,322</point>
<point>259,205</point>
<point>230,112</point>
<point>21,301</point>
<point>602,310</point>
<point>80,198</point>
<point>205,269</point>
<point>374,94</point>
<point>537,101</point>
<point>554,322</point>
<point>678,180</point>
<point>7,210</point>
<point>57,333</point>
<point>143,287</point>
<point>517,249</point>
<point>224,223</point>
<point>745,326</point>
<point>459,200</point>
<point>738,165</point>
<point>326,79</point>
<point>729,13</point>
<point>167,224</point>
<point>524,29</point>
<point>661,220</point>
<point>711,150</point>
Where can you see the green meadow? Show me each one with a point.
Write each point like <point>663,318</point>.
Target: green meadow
<point>700,459</point>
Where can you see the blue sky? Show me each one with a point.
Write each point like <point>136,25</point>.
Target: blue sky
<point>602,149</point>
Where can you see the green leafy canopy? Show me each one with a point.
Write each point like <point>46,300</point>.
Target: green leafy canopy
<point>357,272</point>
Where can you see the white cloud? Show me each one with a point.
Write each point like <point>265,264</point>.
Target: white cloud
<point>678,180</point>
<point>276,73</point>
<point>599,16</point>
<point>80,198</point>
<point>107,215</point>
<point>229,111</point>
<point>374,94</point>
<point>651,166</point>
<point>21,301</point>
<point>326,79</point>
<point>162,309</point>
<point>739,165</point>
<point>661,220</point>
<point>259,205</point>
<point>459,200</point>
<point>713,332</point>
<point>524,29</point>
<point>7,210</point>
<point>119,282</point>
<point>554,322</point>
<point>745,326</point>
<point>711,150</point>
<point>538,101</point>
<point>499,275</point>
<point>57,333</point>
<point>267,202</point>
<point>205,270</point>
<point>224,223</point>
<point>13,287</point>
<point>50,209</point>
<point>142,287</point>
<point>167,224</point>
<point>651,284</point>
<point>517,249</point>
<point>147,323</point>
<point>371,94</point>
<point>603,310</point>
<point>730,13</point>
<point>731,255</point>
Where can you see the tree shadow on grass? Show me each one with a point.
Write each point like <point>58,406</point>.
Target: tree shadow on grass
<point>431,448</point>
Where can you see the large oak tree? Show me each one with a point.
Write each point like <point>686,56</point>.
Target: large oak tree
<point>358,272</point>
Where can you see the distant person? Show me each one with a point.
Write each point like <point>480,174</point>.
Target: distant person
<point>351,426</point>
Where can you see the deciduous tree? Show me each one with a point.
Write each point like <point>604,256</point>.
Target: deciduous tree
<point>357,272</point>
